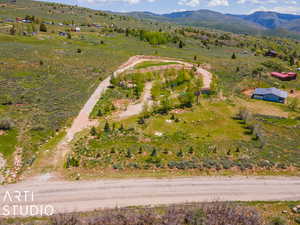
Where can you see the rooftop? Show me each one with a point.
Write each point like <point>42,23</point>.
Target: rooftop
<point>274,91</point>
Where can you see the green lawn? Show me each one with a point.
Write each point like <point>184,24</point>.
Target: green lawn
<point>147,64</point>
<point>8,142</point>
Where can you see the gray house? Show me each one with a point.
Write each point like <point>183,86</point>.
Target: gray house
<point>270,94</point>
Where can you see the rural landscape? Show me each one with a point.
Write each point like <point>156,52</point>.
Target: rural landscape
<point>147,109</point>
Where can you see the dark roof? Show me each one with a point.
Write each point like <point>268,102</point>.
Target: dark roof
<point>274,91</point>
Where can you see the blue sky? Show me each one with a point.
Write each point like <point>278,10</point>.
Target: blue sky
<point>164,6</point>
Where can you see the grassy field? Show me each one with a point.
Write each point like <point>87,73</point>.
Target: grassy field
<point>147,64</point>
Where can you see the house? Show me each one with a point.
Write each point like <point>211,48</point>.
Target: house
<point>271,53</point>
<point>284,76</point>
<point>75,29</point>
<point>270,94</point>
<point>63,34</point>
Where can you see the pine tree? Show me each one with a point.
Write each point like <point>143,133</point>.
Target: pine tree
<point>43,27</point>
<point>121,127</point>
<point>191,150</point>
<point>140,150</point>
<point>154,152</point>
<point>106,127</point>
<point>181,44</point>
<point>233,56</point>
<point>93,131</point>
<point>128,154</point>
<point>180,153</point>
<point>13,30</point>
<point>292,61</point>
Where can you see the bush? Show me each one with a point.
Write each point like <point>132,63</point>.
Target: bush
<point>205,214</point>
<point>6,124</point>
<point>278,221</point>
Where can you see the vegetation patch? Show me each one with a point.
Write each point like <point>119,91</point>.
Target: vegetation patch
<point>147,64</point>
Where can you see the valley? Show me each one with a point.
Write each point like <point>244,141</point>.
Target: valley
<point>139,106</point>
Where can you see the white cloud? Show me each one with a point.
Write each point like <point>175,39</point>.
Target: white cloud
<point>267,1</point>
<point>218,3</point>
<point>279,9</point>
<point>190,3</point>
<point>110,1</point>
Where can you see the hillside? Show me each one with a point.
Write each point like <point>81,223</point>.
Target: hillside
<point>56,56</point>
<point>258,23</point>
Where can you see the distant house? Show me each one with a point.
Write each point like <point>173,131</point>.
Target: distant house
<point>75,29</point>
<point>63,34</point>
<point>270,94</point>
<point>271,53</point>
<point>285,76</point>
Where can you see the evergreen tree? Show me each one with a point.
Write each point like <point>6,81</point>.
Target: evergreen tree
<point>128,153</point>
<point>180,153</point>
<point>233,56</point>
<point>106,127</point>
<point>181,44</point>
<point>140,150</point>
<point>93,131</point>
<point>13,30</point>
<point>43,27</point>
<point>292,61</point>
<point>154,152</point>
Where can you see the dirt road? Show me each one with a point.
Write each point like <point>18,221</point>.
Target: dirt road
<point>138,108</point>
<point>90,195</point>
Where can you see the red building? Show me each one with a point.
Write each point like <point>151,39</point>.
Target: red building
<point>285,76</point>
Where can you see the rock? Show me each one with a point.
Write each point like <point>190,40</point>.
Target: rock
<point>284,211</point>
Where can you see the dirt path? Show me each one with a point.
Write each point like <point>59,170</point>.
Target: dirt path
<point>82,121</point>
<point>138,108</point>
<point>90,195</point>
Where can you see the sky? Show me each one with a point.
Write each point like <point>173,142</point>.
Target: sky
<point>167,6</point>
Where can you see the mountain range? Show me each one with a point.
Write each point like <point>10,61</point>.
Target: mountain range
<point>261,22</point>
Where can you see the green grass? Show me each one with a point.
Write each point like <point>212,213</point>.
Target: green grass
<point>8,142</point>
<point>147,64</point>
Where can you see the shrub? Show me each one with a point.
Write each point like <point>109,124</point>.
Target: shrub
<point>205,214</point>
<point>6,124</point>
<point>297,220</point>
<point>64,219</point>
<point>278,221</point>
<point>71,162</point>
